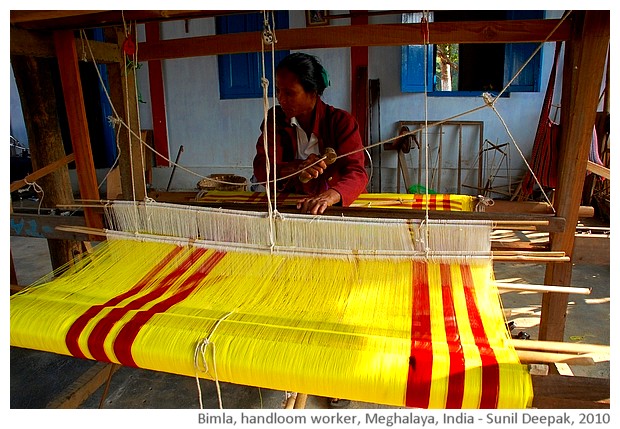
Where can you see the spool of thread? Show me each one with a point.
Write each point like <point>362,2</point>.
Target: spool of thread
<point>330,156</point>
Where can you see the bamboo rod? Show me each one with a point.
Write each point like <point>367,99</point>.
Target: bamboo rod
<point>530,258</point>
<point>542,288</point>
<point>528,253</point>
<point>82,230</point>
<point>560,347</point>
<point>533,356</point>
<point>300,401</point>
<point>290,401</point>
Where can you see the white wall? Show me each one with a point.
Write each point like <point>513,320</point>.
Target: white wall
<point>18,127</point>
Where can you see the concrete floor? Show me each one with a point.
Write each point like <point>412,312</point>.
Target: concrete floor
<point>37,378</point>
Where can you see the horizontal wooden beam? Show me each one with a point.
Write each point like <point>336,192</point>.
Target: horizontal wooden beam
<point>41,45</point>
<point>45,226</point>
<point>82,388</point>
<point>563,392</point>
<point>20,16</point>
<point>598,169</point>
<point>76,19</point>
<point>336,36</point>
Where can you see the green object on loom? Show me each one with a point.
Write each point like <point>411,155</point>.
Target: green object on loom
<point>419,189</point>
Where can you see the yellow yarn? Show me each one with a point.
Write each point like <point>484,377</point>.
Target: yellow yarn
<point>336,327</point>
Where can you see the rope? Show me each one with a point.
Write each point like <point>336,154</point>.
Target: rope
<point>425,34</point>
<point>491,102</point>
<point>200,351</point>
<point>268,38</point>
<point>39,190</point>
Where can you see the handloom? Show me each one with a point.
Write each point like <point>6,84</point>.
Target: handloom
<point>393,312</point>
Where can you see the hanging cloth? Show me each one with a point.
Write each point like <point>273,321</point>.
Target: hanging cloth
<point>545,151</point>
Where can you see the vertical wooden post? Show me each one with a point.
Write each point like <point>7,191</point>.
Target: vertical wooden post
<point>124,97</point>
<point>359,82</point>
<point>158,101</point>
<point>78,126</point>
<point>584,63</point>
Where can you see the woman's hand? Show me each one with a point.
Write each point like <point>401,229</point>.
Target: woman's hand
<point>318,203</point>
<point>311,172</point>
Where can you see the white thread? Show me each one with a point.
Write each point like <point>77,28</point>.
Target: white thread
<point>200,351</point>
<point>39,190</point>
<point>265,85</point>
<point>426,41</point>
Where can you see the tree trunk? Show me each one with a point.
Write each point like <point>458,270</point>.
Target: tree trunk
<point>34,81</point>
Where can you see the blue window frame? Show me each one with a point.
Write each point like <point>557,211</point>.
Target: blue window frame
<point>505,59</point>
<point>240,74</point>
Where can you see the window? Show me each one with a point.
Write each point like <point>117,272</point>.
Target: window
<point>469,69</point>
<point>240,74</point>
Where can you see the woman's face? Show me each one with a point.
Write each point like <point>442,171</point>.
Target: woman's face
<point>295,101</point>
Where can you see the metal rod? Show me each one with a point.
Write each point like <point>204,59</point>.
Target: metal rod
<point>174,167</point>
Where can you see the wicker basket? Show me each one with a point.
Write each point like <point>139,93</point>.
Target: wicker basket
<point>223,182</point>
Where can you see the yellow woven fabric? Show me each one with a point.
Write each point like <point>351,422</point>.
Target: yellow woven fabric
<point>446,202</point>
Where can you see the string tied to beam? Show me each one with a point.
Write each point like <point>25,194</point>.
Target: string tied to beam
<point>200,360</point>
<point>483,202</point>
<point>38,189</point>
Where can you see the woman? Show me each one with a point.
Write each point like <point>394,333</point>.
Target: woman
<point>305,126</point>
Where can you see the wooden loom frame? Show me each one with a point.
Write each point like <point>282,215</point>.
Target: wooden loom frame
<point>586,34</point>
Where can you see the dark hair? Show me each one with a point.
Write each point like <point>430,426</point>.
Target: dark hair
<point>311,74</point>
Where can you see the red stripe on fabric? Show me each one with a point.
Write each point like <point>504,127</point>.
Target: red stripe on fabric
<point>421,359</point>
<point>103,327</point>
<point>447,202</point>
<point>433,202</point>
<point>74,332</point>
<point>257,196</point>
<point>417,202</point>
<point>128,333</point>
<point>456,380</point>
<point>490,366</point>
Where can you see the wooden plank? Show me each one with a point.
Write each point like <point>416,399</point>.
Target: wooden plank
<point>72,20</point>
<point>19,16</point>
<point>44,226</point>
<point>358,35</point>
<point>78,124</point>
<point>598,169</point>
<point>584,64</point>
<point>562,392</point>
<point>41,45</point>
<point>84,386</point>
<point>42,172</point>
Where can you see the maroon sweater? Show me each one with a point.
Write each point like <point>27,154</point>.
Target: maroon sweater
<point>334,128</point>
